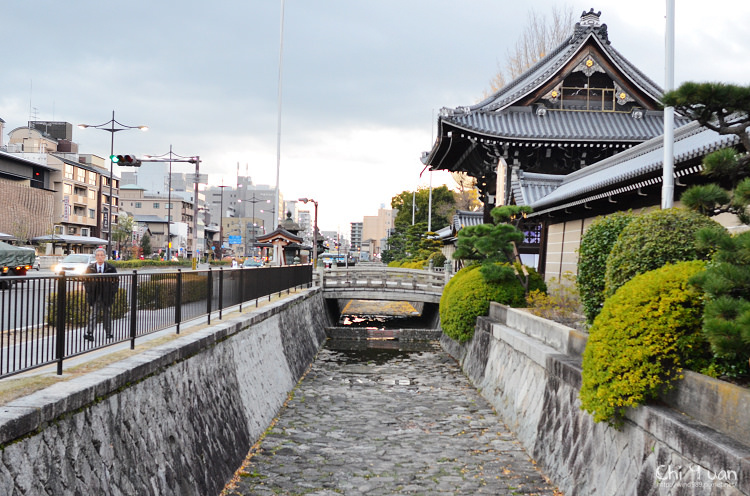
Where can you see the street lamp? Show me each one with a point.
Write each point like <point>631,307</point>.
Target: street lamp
<point>221,222</point>
<point>315,230</point>
<point>111,130</point>
<point>173,157</point>
<point>254,200</point>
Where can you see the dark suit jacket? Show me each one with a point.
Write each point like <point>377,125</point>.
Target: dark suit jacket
<point>101,288</point>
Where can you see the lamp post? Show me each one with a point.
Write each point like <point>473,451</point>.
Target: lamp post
<point>254,200</point>
<point>315,230</point>
<point>111,130</point>
<point>173,157</point>
<point>221,222</point>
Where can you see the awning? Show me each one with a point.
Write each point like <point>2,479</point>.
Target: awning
<point>69,240</point>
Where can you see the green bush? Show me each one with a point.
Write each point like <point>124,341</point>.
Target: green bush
<point>77,311</point>
<point>645,333</point>
<point>137,263</point>
<point>467,296</point>
<point>160,291</point>
<point>596,244</point>
<point>653,240</point>
<point>438,259</point>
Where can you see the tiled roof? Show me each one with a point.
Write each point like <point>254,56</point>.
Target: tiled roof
<point>523,124</point>
<point>529,187</point>
<point>465,218</point>
<point>155,219</point>
<point>549,66</point>
<point>627,171</point>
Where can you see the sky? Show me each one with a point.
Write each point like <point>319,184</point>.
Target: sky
<point>361,82</point>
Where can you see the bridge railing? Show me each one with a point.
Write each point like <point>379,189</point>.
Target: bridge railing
<point>387,278</point>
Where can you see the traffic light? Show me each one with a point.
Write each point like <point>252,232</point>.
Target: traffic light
<point>126,160</point>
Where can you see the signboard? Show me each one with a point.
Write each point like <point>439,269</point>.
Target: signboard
<point>66,209</point>
<point>235,240</point>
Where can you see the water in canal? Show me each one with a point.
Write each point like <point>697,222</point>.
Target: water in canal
<point>385,417</point>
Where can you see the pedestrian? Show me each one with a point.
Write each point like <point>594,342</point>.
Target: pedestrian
<point>100,293</point>
<point>234,263</point>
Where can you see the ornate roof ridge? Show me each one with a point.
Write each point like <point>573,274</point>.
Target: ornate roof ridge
<point>588,27</point>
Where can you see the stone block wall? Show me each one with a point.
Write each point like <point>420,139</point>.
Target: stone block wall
<point>26,211</point>
<point>534,388</point>
<point>178,419</point>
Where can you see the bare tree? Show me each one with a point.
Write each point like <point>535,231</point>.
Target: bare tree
<point>467,195</point>
<point>540,35</point>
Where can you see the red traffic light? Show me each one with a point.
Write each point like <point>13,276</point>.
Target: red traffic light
<point>127,161</point>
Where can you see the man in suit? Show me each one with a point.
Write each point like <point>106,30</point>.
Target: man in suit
<point>100,293</point>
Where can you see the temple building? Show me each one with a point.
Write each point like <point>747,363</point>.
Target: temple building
<point>578,135</point>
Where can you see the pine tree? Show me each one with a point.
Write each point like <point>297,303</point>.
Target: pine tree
<point>724,108</point>
<point>495,243</point>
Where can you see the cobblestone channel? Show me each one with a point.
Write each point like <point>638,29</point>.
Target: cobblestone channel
<point>381,422</point>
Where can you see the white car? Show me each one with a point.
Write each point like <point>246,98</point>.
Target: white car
<point>74,264</point>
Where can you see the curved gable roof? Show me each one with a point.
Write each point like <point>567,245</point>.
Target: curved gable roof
<point>549,67</point>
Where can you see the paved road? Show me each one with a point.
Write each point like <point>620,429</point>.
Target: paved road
<point>411,424</point>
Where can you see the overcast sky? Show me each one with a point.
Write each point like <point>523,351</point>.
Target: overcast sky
<point>361,87</point>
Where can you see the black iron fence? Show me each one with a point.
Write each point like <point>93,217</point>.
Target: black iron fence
<point>45,319</point>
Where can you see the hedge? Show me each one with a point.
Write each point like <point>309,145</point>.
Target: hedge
<point>652,240</point>
<point>596,244</point>
<point>467,296</point>
<point>647,331</point>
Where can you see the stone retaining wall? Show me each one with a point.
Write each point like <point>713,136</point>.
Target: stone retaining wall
<point>532,375</point>
<point>178,419</point>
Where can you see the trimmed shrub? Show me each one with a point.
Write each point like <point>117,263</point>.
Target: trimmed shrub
<point>647,331</point>
<point>467,296</point>
<point>596,244</point>
<point>160,292</point>
<point>438,259</point>
<point>77,311</point>
<point>653,240</point>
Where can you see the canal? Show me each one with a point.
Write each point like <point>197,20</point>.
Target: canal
<point>383,417</point>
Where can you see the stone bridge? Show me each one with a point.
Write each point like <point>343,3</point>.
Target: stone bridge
<point>383,283</point>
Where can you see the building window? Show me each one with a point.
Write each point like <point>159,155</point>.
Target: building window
<point>92,213</point>
<point>68,171</point>
<point>92,194</point>
<point>80,191</point>
<point>92,178</point>
<point>81,176</point>
<point>67,189</point>
<point>156,205</point>
<point>137,204</point>
<point>58,229</point>
<point>84,231</point>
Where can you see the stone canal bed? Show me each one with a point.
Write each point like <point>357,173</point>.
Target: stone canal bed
<point>387,421</point>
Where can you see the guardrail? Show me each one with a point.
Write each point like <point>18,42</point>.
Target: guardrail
<point>46,319</point>
<point>384,278</point>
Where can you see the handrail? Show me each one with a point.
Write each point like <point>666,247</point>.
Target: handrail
<point>47,319</point>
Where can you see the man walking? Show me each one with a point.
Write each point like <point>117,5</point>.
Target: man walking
<point>100,293</point>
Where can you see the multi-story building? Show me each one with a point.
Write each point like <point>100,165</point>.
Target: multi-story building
<point>80,218</point>
<point>153,208</point>
<point>375,231</point>
<point>247,200</point>
<point>356,237</point>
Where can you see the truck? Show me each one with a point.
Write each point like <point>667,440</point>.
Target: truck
<point>14,261</point>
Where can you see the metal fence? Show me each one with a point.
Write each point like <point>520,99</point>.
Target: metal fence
<point>45,319</point>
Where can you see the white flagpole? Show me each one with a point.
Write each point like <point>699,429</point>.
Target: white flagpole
<point>667,195</point>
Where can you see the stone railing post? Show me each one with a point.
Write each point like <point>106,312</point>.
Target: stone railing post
<point>448,267</point>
